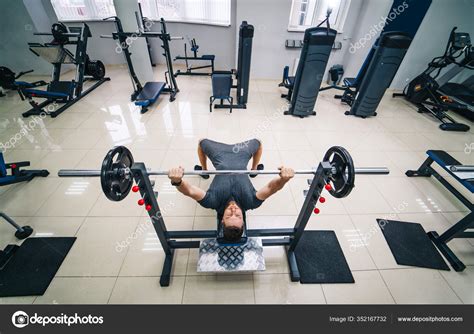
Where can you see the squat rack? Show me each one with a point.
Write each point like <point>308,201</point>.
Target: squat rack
<point>123,37</point>
<point>335,174</point>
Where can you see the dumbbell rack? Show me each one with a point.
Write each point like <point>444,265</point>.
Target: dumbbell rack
<point>288,237</point>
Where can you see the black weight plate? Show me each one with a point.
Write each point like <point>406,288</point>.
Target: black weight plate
<point>7,78</point>
<point>95,69</point>
<point>342,181</point>
<point>58,29</point>
<point>115,176</point>
<point>100,70</point>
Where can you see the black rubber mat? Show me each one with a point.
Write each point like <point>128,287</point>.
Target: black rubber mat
<point>33,265</point>
<point>321,260</point>
<point>410,245</point>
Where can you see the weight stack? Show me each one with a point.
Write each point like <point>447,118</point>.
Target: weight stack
<point>243,62</point>
<point>384,65</point>
<point>317,45</point>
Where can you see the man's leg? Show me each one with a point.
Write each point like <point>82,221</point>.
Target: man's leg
<point>202,156</point>
<point>257,156</point>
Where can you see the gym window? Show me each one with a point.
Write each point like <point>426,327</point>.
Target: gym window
<point>309,13</point>
<point>213,12</point>
<point>83,10</point>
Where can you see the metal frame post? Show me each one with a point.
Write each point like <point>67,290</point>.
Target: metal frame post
<point>142,179</point>
<point>317,185</point>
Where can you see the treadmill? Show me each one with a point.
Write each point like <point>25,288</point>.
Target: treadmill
<point>460,92</point>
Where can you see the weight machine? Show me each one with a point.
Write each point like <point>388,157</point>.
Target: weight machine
<point>145,95</point>
<point>223,81</point>
<point>423,91</point>
<point>55,52</point>
<point>303,89</point>
<point>190,70</point>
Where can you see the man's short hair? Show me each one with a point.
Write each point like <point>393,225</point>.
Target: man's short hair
<point>233,233</point>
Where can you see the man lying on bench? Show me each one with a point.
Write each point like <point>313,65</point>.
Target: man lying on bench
<point>230,195</point>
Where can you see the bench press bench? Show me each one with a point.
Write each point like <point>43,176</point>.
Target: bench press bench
<point>460,173</point>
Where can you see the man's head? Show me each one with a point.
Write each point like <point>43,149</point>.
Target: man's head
<point>233,222</point>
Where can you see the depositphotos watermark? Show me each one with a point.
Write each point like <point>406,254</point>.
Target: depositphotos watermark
<point>378,27</point>
<point>26,128</point>
<point>142,228</point>
<point>263,126</point>
<point>21,319</point>
<point>468,148</point>
<point>133,37</point>
<point>362,240</point>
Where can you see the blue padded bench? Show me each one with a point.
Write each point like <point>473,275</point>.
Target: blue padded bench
<point>221,86</point>
<point>458,230</point>
<point>44,93</point>
<point>208,57</point>
<point>149,94</point>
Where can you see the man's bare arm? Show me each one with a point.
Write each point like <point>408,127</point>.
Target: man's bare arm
<point>276,184</point>
<point>190,190</point>
<point>186,188</point>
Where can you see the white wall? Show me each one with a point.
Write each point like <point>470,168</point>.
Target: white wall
<point>369,14</point>
<point>17,27</point>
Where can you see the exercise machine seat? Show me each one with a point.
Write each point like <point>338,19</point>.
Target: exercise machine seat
<point>208,57</point>
<point>44,93</point>
<point>149,93</point>
<point>287,81</point>
<point>221,85</point>
<point>24,84</point>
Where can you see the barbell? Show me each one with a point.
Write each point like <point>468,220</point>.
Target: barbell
<point>461,168</point>
<point>117,178</point>
<point>97,173</point>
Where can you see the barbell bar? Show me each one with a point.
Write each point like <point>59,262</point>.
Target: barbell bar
<point>462,168</point>
<point>97,173</point>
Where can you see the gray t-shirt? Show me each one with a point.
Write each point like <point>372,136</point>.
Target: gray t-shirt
<point>225,188</point>
<point>237,187</point>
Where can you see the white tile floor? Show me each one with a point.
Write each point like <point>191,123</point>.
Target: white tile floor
<point>98,271</point>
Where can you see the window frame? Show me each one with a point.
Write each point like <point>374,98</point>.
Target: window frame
<point>78,20</point>
<point>196,22</point>
<point>340,19</point>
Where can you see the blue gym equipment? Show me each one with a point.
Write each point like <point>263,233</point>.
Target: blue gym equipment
<point>8,80</point>
<point>463,175</point>
<point>146,95</point>
<point>11,173</point>
<point>191,70</point>
<point>57,53</point>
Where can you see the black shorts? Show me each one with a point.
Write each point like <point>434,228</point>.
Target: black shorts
<point>225,156</point>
